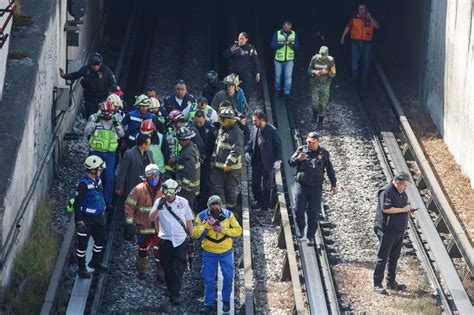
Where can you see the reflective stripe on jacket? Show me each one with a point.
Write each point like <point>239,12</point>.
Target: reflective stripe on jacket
<point>285,53</point>
<point>137,208</point>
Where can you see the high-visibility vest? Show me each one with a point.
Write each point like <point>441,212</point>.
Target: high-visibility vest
<point>285,53</point>
<point>362,29</point>
<point>103,140</point>
<point>157,153</point>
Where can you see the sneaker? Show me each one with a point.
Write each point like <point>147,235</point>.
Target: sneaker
<point>225,307</point>
<point>98,267</point>
<point>396,286</point>
<point>380,290</point>
<point>83,273</point>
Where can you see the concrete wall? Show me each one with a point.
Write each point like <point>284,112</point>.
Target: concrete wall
<point>449,77</point>
<point>26,112</point>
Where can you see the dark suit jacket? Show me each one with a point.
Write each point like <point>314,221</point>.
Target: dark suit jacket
<point>130,169</point>
<point>270,147</point>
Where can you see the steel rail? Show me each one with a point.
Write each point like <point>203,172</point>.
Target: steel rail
<point>282,207</point>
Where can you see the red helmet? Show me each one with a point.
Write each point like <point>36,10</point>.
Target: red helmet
<point>147,127</point>
<point>175,115</point>
<point>107,109</point>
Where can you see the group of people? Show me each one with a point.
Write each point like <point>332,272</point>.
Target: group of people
<point>175,164</point>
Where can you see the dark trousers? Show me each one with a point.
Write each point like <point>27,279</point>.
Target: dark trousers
<point>308,200</point>
<point>389,251</point>
<point>248,83</point>
<point>205,187</point>
<point>190,196</point>
<point>173,261</point>
<point>225,185</point>
<point>91,106</point>
<point>262,184</point>
<point>95,227</point>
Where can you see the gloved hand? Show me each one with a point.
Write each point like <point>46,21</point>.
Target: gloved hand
<point>248,157</point>
<point>211,221</point>
<point>226,168</point>
<point>161,203</point>
<point>277,165</point>
<point>130,232</point>
<point>218,228</point>
<point>81,227</point>
<point>115,121</point>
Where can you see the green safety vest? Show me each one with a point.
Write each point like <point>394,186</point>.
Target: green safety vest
<point>103,140</point>
<point>207,113</point>
<point>285,53</point>
<point>157,154</point>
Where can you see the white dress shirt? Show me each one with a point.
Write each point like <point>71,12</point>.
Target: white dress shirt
<point>170,229</point>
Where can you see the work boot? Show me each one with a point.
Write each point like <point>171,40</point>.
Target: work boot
<point>82,272</point>
<point>311,241</point>
<point>378,288</point>
<point>141,265</point>
<point>396,286</point>
<point>98,266</point>
<point>320,122</point>
<point>225,307</point>
<point>315,116</point>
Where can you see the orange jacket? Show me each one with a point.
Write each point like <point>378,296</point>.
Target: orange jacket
<point>138,206</point>
<point>361,28</point>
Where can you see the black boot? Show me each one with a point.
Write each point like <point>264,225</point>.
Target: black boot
<point>315,116</point>
<point>320,122</point>
<point>82,270</point>
<point>96,263</point>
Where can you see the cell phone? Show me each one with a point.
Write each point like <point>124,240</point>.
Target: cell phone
<point>414,209</point>
<point>236,43</point>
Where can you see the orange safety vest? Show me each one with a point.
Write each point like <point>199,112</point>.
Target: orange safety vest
<point>362,29</point>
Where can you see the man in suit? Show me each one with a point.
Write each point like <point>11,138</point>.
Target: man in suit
<point>265,155</point>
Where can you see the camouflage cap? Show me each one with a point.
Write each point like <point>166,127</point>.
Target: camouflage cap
<point>324,50</point>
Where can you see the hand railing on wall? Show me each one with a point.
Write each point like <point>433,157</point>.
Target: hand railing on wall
<point>10,10</point>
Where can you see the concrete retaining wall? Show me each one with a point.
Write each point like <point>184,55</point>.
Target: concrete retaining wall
<point>449,78</point>
<point>26,112</point>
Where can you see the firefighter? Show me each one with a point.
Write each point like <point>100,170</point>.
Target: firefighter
<point>188,165</point>
<point>215,227</point>
<point>98,81</point>
<point>89,208</point>
<point>103,130</point>
<point>175,220</point>
<point>137,209</point>
<point>233,93</point>
<point>226,160</point>
<point>133,120</point>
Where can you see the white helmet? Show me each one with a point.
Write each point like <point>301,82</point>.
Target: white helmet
<point>170,187</point>
<point>152,170</point>
<point>116,100</point>
<point>214,199</point>
<point>155,103</point>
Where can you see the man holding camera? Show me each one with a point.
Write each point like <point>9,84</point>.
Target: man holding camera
<point>216,227</point>
<point>391,221</point>
<point>311,161</point>
<point>284,43</point>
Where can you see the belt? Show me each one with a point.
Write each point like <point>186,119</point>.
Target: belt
<point>216,241</point>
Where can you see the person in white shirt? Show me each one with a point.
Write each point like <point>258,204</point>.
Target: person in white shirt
<point>174,218</point>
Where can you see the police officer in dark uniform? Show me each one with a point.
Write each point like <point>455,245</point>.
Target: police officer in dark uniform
<point>212,86</point>
<point>310,161</point>
<point>98,82</point>
<point>390,225</point>
<point>243,61</point>
<point>208,135</point>
<point>89,207</point>
<point>180,99</point>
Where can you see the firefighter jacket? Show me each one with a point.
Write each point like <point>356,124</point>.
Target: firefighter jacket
<point>212,241</point>
<point>229,147</point>
<point>188,168</point>
<point>138,205</point>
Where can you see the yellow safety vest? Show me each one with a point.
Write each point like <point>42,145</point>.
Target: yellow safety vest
<point>285,53</point>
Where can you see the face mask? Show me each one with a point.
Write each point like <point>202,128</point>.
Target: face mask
<point>153,182</point>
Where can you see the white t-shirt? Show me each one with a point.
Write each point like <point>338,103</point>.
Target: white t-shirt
<point>170,229</point>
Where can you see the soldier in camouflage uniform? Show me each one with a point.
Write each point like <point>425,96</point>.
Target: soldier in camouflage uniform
<point>321,71</point>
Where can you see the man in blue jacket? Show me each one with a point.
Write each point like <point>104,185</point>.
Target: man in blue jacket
<point>265,154</point>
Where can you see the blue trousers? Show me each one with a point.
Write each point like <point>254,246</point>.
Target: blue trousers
<point>360,53</point>
<point>109,173</point>
<point>285,69</point>
<point>209,269</point>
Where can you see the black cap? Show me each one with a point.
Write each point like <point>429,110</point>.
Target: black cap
<point>313,135</point>
<point>95,59</point>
